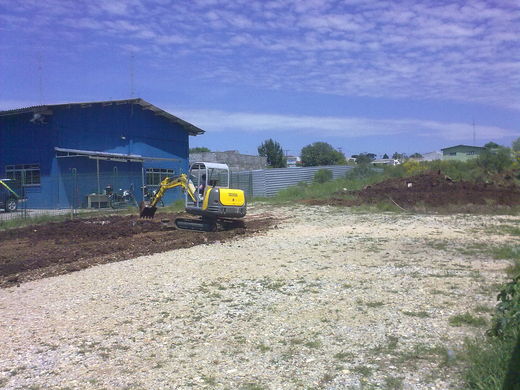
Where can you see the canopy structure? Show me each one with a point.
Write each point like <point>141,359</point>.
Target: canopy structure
<point>209,165</point>
<point>63,153</point>
<point>68,153</point>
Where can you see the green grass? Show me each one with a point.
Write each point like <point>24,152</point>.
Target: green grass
<point>326,190</point>
<point>393,383</point>
<point>20,221</point>
<point>467,319</point>
<point>364,371</point>
<point>486,360</point>
<point>419,314</point>
<point>361,176</point>
<point>252,386</point>
<point>509,252</point>
<point>344,356</point>
<point>510,230</point>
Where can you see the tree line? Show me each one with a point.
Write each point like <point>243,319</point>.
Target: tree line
<point>322,153</point>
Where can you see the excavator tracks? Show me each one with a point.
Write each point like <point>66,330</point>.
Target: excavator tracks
<point>207,224</point>
<point>200,225</point>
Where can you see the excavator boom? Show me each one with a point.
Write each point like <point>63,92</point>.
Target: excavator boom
<point>148,210</point>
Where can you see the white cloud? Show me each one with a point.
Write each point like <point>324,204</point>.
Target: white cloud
<point>343,127</point>
<point>425,50</point>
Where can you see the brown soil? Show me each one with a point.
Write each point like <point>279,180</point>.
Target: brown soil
<point>430,189</point>
<point>40,251</point>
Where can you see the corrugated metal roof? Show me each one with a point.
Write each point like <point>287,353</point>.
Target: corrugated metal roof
<point>190,128</point>
<point>463,146</point>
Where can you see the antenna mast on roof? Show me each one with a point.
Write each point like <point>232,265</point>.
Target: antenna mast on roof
<point>132,92</point>
<point>40,79</point>
<point>474,134</point>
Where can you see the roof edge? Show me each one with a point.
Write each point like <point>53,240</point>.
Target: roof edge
<point>190,128</point>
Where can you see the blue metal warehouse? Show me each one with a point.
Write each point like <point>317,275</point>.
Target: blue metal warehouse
<point>67,154</point>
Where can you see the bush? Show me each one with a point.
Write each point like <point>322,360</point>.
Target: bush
<point>322,176</point>
<point>495,160</point>
<point>361,172</point>
<point>507,316</point>
<point>493,359</point>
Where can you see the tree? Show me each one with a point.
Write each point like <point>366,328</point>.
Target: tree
<point>385,156</point>
<point>399,156</point>
<point>321,153</point>
<point>516,145</point>
<point>492,145</point>
<point>416,155</point>
<point>364,158</point>
<point>496,160</point>
<point>199,149</point>
<point>274,153</point>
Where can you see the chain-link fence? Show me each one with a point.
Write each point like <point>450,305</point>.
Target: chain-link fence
<point>74,193</point>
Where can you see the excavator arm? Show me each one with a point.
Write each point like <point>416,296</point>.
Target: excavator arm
<point>148,211</point>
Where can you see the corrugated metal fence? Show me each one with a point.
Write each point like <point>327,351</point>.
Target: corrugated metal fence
<point>267,182</point>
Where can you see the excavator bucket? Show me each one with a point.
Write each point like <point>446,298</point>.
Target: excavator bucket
<point>147,211</point>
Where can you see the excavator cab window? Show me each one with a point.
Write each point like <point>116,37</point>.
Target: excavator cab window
<point>218,177</point>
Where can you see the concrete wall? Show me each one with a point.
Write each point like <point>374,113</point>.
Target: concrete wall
<point>236,161</point>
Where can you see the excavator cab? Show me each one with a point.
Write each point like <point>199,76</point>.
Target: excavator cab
<point>205,176</point>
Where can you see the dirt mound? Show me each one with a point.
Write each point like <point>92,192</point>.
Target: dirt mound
<point>431,189</point>
<point>52,249</point>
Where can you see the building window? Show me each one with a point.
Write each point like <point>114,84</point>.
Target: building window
<point>27,174</point>
<point>471,153</point>
<point>154,176</point>
<point>452,153</point>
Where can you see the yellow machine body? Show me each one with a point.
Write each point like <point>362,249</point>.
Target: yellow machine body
<point>232,197</point>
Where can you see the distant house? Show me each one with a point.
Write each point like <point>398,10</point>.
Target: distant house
<point>431,156</point>
<point>235,160</point>
<point>385,161</point>
<point>461,152</point>
<point>293,161</point>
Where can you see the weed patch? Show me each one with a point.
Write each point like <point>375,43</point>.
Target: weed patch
<point>467,319</point>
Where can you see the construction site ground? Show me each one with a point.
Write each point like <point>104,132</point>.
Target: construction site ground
<point>433,190</point>
<point>57,248</point>
<point>303,297</point>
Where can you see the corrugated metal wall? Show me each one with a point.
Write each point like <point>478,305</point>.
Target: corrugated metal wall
<point>267,182</point>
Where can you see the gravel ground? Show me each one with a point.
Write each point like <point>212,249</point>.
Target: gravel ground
<point>329,299</point>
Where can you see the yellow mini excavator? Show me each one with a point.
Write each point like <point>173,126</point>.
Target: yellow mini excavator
<point>210,198</point>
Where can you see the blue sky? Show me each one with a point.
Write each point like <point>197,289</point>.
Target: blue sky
<point>365,76</point>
